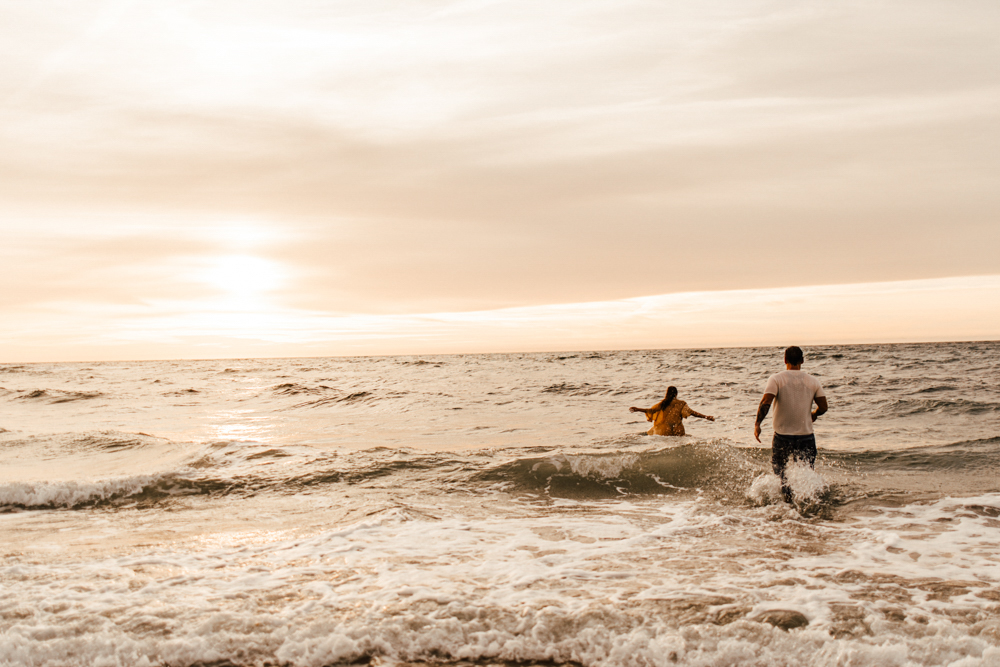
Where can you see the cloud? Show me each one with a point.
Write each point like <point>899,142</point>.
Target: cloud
<point>455,156</point>
<point>126,258</point>
<point>963,308</point>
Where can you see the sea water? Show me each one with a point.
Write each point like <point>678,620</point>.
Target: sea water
<point>498,509</point>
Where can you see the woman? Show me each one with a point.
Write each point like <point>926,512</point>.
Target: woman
<point>668,415</point>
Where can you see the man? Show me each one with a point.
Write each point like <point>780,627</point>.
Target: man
<point>793,393</point>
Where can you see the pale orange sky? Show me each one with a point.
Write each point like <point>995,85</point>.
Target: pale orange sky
<point>193,179</point>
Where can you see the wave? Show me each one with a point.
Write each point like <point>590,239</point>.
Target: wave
<point>583,389</point>
<point>268,454</point>
<point>144,491</point>
<point>294,389</point>
<point>23,369</point>
<point>182,392</point>
<point>75,494</point>
<point>435,470</point>
<point>962,455</point>
<point>327,395</point>
<point>53,396</point>
<point>354,397</point>
<point>726,473</point>
<point>245,369</point>
<point>720,468</point>
<point>209,472</point>
<point>66,444</point>
<point>112,441</point>
<point>936,388</point>
<point>223,468</point>
<point>715,470</point>
<point>909,407</point>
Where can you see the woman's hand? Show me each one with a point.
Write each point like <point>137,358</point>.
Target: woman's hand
<point>634,410</point>
<point>710,418</point>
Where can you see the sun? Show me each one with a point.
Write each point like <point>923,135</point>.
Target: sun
<point>243,281</point>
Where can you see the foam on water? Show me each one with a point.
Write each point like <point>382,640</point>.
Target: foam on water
<point>806,484</point>
<point>73,493</point>
<point>603,466</point>
<point>605,584</point>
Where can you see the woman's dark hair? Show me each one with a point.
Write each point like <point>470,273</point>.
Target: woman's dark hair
<point>665,403</point>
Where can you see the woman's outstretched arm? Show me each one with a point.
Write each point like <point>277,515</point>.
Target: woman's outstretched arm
<point>646,411</point>
<point>698,414</point>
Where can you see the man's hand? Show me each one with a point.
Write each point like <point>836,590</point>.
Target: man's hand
<point>762,410</point>
<point>821,407</point>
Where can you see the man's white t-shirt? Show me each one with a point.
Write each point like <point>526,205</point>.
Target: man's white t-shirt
<point>794,392</point>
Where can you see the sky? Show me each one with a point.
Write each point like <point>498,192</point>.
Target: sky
<point>295,178</point>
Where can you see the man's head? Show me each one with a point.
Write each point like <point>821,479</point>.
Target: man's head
<point>794,356</point>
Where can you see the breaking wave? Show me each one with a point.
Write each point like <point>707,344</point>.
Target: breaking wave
<point>686,468</point>
<point>74,494</point>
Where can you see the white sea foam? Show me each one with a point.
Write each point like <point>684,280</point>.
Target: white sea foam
<point>73,493</point>
<point>604,466</point>
<point>609,585</point>
<point>765,489</point>
<point>806,484</point>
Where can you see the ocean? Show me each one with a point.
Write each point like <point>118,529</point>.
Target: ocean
<point>498,509</point>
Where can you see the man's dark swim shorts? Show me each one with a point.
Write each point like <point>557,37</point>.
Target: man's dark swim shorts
<point>785,448</point>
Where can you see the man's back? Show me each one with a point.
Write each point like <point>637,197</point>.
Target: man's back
<point>794,392</point>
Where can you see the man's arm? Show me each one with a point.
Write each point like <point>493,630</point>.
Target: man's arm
<point>762,410</point>
<point>821,407</point>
